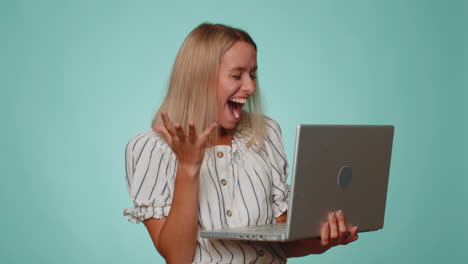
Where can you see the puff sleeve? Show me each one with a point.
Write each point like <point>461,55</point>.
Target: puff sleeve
<point>275,148</point>
<point>150,169</point>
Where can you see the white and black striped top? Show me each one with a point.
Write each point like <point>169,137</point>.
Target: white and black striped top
<point>238,187</point>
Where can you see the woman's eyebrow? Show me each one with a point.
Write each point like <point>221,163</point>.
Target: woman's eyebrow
<point>242,69</point>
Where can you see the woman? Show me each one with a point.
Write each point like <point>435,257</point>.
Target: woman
<point>218,165</point>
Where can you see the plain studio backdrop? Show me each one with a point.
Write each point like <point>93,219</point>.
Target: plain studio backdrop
<point>80,78</point>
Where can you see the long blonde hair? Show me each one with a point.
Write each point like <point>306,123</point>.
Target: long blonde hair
<point>191,95</point>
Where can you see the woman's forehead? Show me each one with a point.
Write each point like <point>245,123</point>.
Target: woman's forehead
<point>241,56</point>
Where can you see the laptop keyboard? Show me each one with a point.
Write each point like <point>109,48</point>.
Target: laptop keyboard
<point>275,229</point>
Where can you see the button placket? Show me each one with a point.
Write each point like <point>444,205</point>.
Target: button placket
<point>223,165</point>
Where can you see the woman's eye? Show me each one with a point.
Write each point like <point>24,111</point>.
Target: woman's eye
<point>253,76</point>
<point>237,77</point>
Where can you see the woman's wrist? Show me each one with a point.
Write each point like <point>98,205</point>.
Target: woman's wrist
<point>188,170</point>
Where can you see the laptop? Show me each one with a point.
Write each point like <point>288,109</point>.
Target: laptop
<point>335,167</point>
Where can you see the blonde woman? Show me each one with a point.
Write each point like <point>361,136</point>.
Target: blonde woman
<point>212,160</point>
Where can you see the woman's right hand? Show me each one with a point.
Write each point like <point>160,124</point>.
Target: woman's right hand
<point>188,147</point>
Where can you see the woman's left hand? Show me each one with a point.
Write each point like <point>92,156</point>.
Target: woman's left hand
<point>335,232</point>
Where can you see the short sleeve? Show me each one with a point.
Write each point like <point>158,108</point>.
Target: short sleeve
<point>149,170</point>
<point>275,148</point>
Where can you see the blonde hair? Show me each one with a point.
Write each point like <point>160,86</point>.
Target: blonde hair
<point>191,95</point>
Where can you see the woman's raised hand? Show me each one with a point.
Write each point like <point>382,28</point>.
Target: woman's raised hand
<point>188,147</point>
<point>335,232</point>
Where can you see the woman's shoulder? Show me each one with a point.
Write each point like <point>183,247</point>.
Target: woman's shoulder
<point>273,135</point>
<point>149,139</point>
<point>272,128</point>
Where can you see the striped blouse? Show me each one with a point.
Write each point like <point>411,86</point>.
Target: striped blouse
<point>238,187</point>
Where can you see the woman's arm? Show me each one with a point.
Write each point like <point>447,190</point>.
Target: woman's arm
<point>175,236</point>
<point>333,233</point>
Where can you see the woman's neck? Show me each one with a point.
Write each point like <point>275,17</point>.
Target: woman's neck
<point>225,137</point>
<point>226,132</point>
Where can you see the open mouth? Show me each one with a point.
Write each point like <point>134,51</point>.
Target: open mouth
<point>235,106</point>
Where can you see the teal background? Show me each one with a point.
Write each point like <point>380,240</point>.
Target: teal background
<point>80,78</point>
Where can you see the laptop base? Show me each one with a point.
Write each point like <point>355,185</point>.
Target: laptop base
<point>272,232</point>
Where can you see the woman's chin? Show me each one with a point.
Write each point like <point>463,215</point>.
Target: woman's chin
<point>228,121</point>
<point>227,126</point>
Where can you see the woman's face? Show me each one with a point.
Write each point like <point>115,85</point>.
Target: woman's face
<point>236,82</point>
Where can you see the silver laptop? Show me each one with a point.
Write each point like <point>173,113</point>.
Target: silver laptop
<point>335,167</point>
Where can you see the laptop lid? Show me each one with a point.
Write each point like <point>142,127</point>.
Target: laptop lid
<point>339,167</point>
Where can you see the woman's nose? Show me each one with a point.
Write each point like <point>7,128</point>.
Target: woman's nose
<point>249,86</point>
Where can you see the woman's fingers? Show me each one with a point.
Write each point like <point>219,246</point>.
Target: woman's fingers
<point>164,133</point>
<point>174,133</point>
<point>341,227</point>
<point>179,131</point>
<point>354,232</point>
<point>334,232</point>
<point>333,226</point>
<point>353,236</point>
<point>192,133</point>
<point>208,131</point>
<point>325,233</point>
<point>168,124</point>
